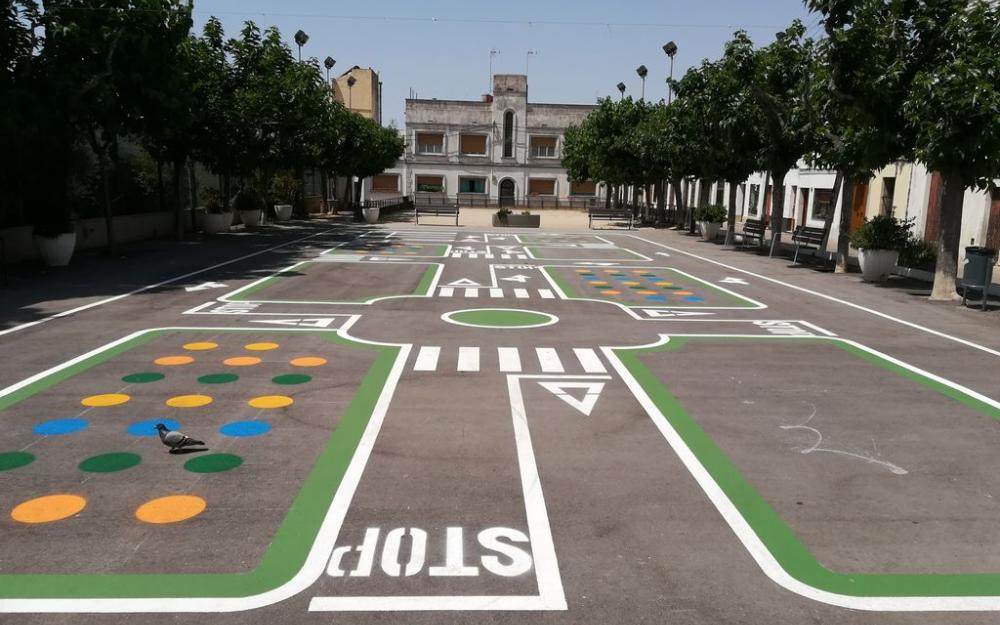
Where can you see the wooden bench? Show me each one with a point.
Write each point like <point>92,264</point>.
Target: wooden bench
<point>810,238</point>
<point>436,211</point>
<point>753,229</point>
<point>601,213</point>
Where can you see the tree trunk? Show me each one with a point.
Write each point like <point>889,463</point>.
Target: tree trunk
<point>193,188</point>
<point>675,187</point>
<point>838,182</point>
<point>178,204</point>
<point>159,184</point>
<point>844,234</point>
<point>692,199</point>
<point>777,208</point>
<point>325,190</point>
<point>949,236</point>
<point>607,196</point>
<point>109,229</point>
<point>226,192</point>
<point>731,218</point>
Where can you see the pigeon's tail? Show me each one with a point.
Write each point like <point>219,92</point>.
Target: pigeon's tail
<point>190,442</point>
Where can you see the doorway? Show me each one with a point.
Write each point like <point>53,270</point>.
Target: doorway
<point>506,193</point>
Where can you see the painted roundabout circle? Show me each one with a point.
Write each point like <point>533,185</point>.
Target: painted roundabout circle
<point>500,318</point>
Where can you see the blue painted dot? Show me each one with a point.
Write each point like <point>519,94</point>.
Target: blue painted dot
<point>694,298</point>
<point>656,298</point>
<point>245,428</point>
<point>148,427</point>
<point>57,427</point>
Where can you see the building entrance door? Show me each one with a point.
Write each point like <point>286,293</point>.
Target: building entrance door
<point>506,192</point>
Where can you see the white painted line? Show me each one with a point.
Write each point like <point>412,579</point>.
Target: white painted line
<point>589,360</point>
<point>108,300</point>
<point>510,359</point>
<point>816,327</point>
<point>447,291</point>
<point>505,256</point>
<point>521,293</point>
<point>548,359</point>
<point>496,293</point>
<point>468,359</point>
<point>472,292</point>
<point>427,358</point>
<point>546,294</point>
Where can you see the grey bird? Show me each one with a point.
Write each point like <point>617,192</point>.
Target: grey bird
<point>175,440</point>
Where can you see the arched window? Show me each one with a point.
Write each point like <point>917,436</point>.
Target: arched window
<point>508,134</point>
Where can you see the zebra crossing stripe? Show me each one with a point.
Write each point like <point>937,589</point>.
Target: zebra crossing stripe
<point>510,359</point>
<point>548,359</point>
<point>427,358</point>
<point>589,360</point>
<point>447,291</point>
<point>521,293</point>
<point>495,293</point>
<point>472,292</point>
<point>546,293</point>
<point>468,359</point>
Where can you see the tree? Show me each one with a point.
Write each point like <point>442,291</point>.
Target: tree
<point>366,149</point>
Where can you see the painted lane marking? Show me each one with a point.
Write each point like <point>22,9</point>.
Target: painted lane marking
<point>548,360</point>
<point>546,293</point>
<point>205,286</point>
<point>589,360</point>
<point>446,291</point>
<point>584,404</point>
<point>472,292</point>
<point>658,313</point>
<point>510,359</point>
<point>496,293</point>
<point>321,322</point>
<point>463,282</point>
<point>518,278</point>
<point>427,358</point>
<point>521,293</point>
<point>729,280</point>
<point>468,359</point>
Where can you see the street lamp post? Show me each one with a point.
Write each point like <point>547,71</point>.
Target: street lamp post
<point>350,92</point>
<point>642,71</point>
<point>328,63</point>
<point>300,40</point>
<point>670,48</point>
<point>621,89</point>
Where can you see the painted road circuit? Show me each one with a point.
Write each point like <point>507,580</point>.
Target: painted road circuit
<point>567,427</point>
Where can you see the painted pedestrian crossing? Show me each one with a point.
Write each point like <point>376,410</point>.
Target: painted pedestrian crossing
<point>494,293</point>
<point>473,359</point>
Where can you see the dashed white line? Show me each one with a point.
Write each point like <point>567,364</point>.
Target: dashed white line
<point>589,360</point>
<point>510,359</point>
<point>548,359</point>
<point>427,358</point>
<point>468,359</point>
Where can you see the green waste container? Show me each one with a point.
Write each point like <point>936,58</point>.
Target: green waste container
<point>978,273</point>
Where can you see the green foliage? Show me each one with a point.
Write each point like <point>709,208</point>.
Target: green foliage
<point>211,199</point>
<point>248,199</point>
<point>607,145</point>
<point>918,254</point>
<point>882,232</point>
<point>502,214</point>
<point>284,188</point>
<point>712,213</point>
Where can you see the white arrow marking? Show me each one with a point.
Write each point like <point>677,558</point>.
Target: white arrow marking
<point>592,390</point>
<point>205,286</point>
<point>658,313</point>
<point>733,281</point>
<point>663,254</point>
<point>323,322</point>
<point>464,282</point>
<point>518,278</point>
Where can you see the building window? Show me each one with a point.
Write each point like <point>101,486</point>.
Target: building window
<point>720,193</point>
<point>508,134</point>
<point>754,198</point>
<point>587,187</point>
<point>472,185</point>
<point>430,143</point>
<point>474,145</point>
<point>541,187</point>
<point>543,147</point>
<point>822,203</point>
<point>385,183</point>
<point>430,184</point>
<point>888,190</point>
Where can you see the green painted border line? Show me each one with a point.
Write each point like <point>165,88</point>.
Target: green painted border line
<point>793,556</point>
<point>243,295</point>
<point>572,293</point>
<point>293,539</point>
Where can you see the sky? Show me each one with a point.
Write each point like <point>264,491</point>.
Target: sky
<point>441,48</point>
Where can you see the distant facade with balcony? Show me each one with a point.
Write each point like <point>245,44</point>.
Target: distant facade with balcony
<point>501,150</point>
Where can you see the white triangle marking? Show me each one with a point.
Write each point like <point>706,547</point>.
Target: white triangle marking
<point>323,322</point>
<point>584,404</point>
<point>464,282</point>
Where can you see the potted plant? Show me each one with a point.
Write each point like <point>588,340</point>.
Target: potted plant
<point>500,217</point>
<point>710,218</point>
<point>284,189</point>
<point>249,205</point>
<point>217,218</point>
<point>879,241</point>
<point>55,239</point>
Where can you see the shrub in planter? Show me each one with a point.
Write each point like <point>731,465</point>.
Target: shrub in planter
<point>249,204</point>
<point>55,239</point>
<point>502,215</point>
<point>918,254</point>
<point>710,218</point>
<point>284,190</point>
<point>217,218</point>
<point>879,241</point>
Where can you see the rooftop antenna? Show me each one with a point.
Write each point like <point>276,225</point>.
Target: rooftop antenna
<point>493,53</point>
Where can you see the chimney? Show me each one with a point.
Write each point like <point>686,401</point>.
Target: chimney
<point>487,97</point>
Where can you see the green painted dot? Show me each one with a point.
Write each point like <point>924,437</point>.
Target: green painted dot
<point>213,463</point>
<point>218,378</point>
<point>291,378</point>
<point>15,460</point>
<point>110,463</point>
<point>143,378</point>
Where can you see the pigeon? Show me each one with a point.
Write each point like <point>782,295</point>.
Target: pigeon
<point>175,440</point>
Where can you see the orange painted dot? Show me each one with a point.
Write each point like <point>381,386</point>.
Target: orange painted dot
<point>172,509</point>
<point>583,271</point>
<point>664,284</point>
<point>270,401</point>
<point>49,508</point>
<point>308,361</point>
<point>261,347</point>
<point>639,271</point>
<point>683,293</point>
<point>103,401</point>
<point>173,361</point>
<point>200,346</point>
<point>610,292</point>
<point>647,292</point>
<point>189,401</point>
<point>242,361</point>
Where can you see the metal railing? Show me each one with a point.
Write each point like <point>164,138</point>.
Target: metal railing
<point>482,200</point>
<point>390,205</point>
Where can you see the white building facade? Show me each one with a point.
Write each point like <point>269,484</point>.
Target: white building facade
<point>498,150</point>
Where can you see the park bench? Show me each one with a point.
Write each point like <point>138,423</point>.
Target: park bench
<point>436,211</point>
<point>753,229</point>
<point>602,213</point>
<point>809,238</point>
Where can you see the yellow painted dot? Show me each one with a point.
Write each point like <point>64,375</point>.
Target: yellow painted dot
<point>103,401</point>
<point>610,292</point>
<point>242,361</point>
<point>201,346</point>
<point>664,284</point>
<point>639,271</point>
<point>646,292</point>
<point>172,509</point>
<point>308,361</point>
<point>49,508</point>
<point>270,401</point>
<point>630,283</point>
<point>598,283</point>
<point>173,361</point>
<point>683,293</point>
<point>261,347</point>
<point>189,401</point>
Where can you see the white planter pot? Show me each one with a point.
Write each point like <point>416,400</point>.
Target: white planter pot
<point>58,250</point>
<point>250,218</point>
<point>709,230</point>
<point>371,215</point>
<point>877,265</point>
<point>216,222</point>
<point>283,211</point>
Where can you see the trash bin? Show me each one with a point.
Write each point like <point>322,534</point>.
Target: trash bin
<point>978,273</point>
